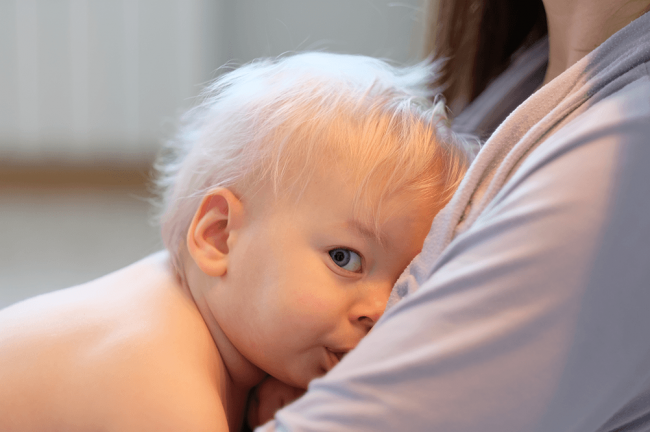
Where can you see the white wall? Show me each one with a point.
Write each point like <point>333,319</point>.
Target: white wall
<point>101,81</point>
<point>380,28</point>
<point>94,80</point>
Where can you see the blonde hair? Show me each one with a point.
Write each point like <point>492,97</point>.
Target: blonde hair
<point>274,121</point>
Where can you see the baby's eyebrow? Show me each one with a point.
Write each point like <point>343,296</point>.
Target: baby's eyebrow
<point>367,231</point>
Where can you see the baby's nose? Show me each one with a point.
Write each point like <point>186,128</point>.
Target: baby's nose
<point>369,309</point>
<point>367,322</point>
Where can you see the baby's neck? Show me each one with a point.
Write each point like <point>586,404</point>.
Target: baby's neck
<point>235,374</point>
<point>241,372</point>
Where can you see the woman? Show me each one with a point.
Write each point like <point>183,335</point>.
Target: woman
<point>527,308</point>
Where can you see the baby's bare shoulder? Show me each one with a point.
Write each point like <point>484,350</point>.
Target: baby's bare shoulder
<point>162,396</point>
<point>126,350</point>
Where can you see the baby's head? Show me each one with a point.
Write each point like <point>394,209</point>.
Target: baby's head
<point>296,195</point>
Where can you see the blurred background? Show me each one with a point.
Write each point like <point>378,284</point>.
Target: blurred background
<point>90,88</point>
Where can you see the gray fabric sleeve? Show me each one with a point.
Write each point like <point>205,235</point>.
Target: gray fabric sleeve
<point>535,318</point>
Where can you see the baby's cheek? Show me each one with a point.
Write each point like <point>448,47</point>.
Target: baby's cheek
<point>311,308</point>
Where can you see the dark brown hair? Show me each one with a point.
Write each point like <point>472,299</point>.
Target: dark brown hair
<point>478,38</point>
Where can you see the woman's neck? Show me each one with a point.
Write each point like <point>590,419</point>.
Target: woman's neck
<point>576,27</point>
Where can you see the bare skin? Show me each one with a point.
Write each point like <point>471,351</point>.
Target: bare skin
<point>125,352</point>
<point>268,397</point>
<point>576,27</point>
<point>261,293</point>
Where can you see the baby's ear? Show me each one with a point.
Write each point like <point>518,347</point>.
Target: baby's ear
<point>212,230</point>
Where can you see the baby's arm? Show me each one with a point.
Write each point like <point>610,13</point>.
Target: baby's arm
<point>268,397</point>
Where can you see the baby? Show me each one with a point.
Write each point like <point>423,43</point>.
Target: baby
<point>294,197</point>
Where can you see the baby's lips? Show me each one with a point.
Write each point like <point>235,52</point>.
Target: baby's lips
<point>332,360</point>
<point>339,353</point>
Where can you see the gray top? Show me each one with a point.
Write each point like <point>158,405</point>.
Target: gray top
<point>527,309</point>
<point>505,93</point>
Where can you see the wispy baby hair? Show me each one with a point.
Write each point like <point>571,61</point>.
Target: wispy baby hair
<point>276,121</point>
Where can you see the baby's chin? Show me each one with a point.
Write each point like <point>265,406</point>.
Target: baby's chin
<point>299,379</point>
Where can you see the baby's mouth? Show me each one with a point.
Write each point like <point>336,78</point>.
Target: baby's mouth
<point>338,353</point>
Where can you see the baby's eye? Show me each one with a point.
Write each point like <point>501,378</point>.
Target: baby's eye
<point>346,259</point>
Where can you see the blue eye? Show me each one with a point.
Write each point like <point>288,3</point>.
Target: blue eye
<point>346,259</point>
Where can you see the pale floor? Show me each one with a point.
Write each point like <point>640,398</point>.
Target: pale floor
<point>52,238</point>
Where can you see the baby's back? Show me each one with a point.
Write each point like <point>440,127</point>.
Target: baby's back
<point>125,352</point>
